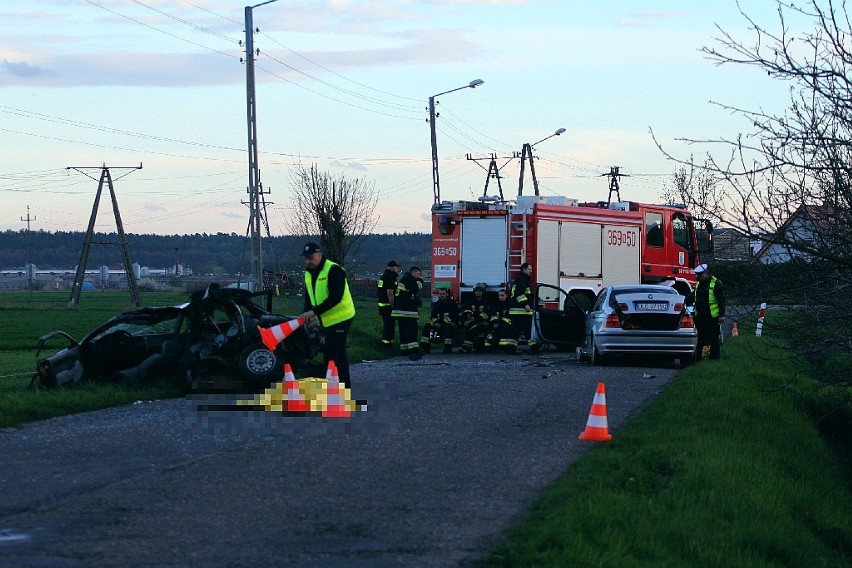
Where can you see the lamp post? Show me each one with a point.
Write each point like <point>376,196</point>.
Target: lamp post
<point>436,185</point>
<point>254,186</point>
<point>526,151</point>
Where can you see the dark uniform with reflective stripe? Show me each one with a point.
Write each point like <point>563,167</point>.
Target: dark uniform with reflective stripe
<point>502,333</point>
<point>385,283</point>
<point>405,311</point>
<point>442,326</point>
<point>521,294</point>
<point>475,315</point>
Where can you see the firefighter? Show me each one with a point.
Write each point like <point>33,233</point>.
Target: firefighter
<point>502,334</point>
<point>521,306</point>
<point>475,314</point>
<point>387,292</point>
<point>709,297</point>
<point>443,323</point>
<point>405,311</point>
<point>327,299</point>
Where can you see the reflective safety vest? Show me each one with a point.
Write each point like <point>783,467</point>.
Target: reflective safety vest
<point>711,296</point>
<point>341,312</point>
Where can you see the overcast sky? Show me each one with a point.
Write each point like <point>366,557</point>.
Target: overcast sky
<point>345,85</point>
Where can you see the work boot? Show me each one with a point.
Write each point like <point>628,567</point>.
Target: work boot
<point>415,356</point>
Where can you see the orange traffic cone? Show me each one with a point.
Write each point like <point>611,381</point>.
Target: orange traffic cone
<point>272,336</point>
<point>295,399</point>
<point>735,331</point>
<point>596,427</point>
<point>335,401</point>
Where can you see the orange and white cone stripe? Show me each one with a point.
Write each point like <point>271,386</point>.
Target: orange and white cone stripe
<point>295,400</point>
<point>597,429</point>
<point>335,403</point>
<point>272,336</point>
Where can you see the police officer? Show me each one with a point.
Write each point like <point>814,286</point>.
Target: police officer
<point>387,293</point>
<point>521,305</point>
<point>405,311</point>
<point>327,298</point>
<point>443,323</point>
<point>710,302</point>
<point>475,313</point>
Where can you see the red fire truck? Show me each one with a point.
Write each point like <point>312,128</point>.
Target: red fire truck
<point>576,247</point>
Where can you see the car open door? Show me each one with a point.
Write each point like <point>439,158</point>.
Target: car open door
<point>558,318</point>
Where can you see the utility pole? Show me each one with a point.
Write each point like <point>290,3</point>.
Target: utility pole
<point>526,154</point>
<point>255,187</point>
<point>88,241</point>
<point>436,182</point>
<point>493,170</point>
<point>613,183</point>
<point>30,270</point>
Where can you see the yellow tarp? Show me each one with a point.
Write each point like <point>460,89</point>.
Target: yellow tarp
<point>313,389</point>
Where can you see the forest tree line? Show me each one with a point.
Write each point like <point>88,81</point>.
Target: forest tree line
<point>203,253</point>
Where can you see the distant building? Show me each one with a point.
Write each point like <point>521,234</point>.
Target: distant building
<point>731,245</point>
<point>804,229</point>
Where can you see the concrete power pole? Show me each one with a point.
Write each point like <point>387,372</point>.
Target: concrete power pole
<point>30,271</point>
<point>255,188</point>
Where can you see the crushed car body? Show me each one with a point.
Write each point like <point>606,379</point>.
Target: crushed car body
<point>216,332</point>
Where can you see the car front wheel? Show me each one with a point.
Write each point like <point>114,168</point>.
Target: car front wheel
<point>260,365</point>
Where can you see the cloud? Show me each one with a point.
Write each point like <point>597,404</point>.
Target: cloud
<point>349,165</point>
<point>646,19</point>
<point>154,207</point>
<point>24,69</point>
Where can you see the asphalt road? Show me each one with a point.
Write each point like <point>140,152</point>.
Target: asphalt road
<point>451,451</point>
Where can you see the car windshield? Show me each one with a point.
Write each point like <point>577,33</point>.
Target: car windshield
<point>145,323</point>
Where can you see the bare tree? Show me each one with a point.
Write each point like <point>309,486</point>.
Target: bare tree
<point>787,181</point>
<point>700,184</point>
<point>336,211</point>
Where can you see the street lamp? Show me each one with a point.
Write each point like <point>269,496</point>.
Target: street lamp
<point>526,151</point>
<point>255,188</point>
<point>436,185</point>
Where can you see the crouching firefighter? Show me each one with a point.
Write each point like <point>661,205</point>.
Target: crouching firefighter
<point>502,334</point>
<point>474,317</point>
<point>443,323</point>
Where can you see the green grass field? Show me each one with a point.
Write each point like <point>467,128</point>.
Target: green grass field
<point>722,469</point>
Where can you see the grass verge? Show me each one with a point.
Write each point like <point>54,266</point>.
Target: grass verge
<point>722,469</point>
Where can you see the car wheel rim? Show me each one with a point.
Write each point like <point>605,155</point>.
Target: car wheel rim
<point>260,361</point>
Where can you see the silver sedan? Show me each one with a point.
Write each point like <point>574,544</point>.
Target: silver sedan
<point>639,319</point>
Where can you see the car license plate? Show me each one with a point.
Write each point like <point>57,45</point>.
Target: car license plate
<point>652,306</point>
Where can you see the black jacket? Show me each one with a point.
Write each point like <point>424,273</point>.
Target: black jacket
<point>385,283</point>
<point>445,312</point>
<point>408,293</point>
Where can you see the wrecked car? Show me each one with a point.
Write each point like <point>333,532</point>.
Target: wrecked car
<point>215,332</point>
